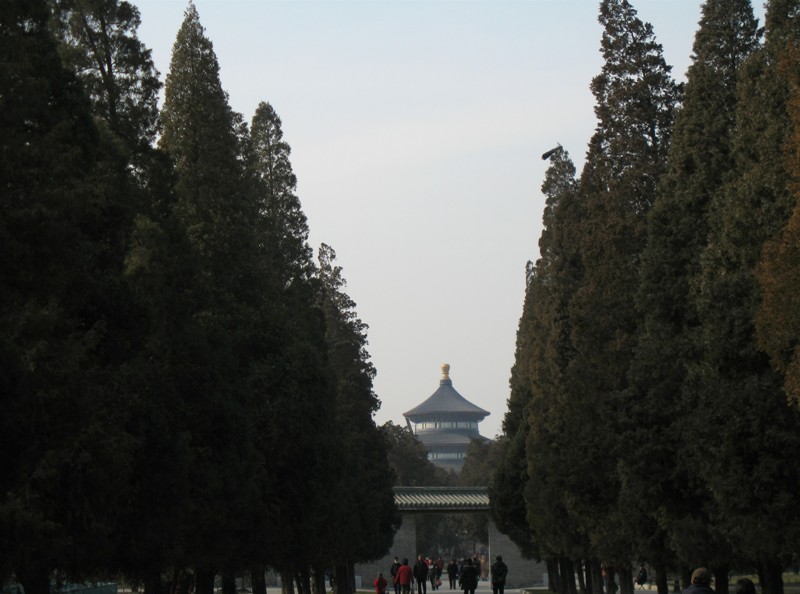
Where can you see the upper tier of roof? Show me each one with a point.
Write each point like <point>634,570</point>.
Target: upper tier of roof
<point>446,401</point>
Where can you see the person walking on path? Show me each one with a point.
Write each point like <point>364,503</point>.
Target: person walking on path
<point>641,577</point>
<point>421,575</point>
<point>380,584</point>
<point>499,572</point>
<point>452,573</point>
<point>469,577</point>
<point>393,571</point>
<point>404,576</point>
<point>701,582</point>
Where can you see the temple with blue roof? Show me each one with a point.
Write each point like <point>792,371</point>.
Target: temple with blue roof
<point>445,423</point>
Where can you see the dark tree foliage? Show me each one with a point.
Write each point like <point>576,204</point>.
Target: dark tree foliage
<point>556,464</point>
<point>408,459</point>
<point>211,370</point>
<point>479,464</point>
<point>287,256</point>
<point>482,458</point>
<point>542,352</point>
<point>778,317</point>
<point>65,334</point>
<point>756,438</point>
<point>99,42</point>
<point>635,97</point>
<point>181,389</point>
<point>365,517</point>
<point>294,387</point>
<point>671,507</point>
<point>508,510</point>
<point>507,504</point>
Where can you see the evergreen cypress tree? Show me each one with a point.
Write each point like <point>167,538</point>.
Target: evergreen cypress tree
<point>755,439</point>
<point>63,329</point>
<point>201,136</point>
<point>506,489</point>
<point>700,158</point>
<point>287,256</point>
<point>295,388</point>
<point>212,358</point>
<point>553,468</point>
<point>538,402</point>
<point>363,524</point>
<point>635,103</point>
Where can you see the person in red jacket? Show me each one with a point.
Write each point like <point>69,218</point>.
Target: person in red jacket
<point>404,576</point>
<point>380,584</point>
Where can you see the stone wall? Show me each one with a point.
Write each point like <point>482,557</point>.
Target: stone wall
<point>404,546</point>
<point>522,573</point>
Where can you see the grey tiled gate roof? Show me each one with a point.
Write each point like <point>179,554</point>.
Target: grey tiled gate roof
<point>441,499</point>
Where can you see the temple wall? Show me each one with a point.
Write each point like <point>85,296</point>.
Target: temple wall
<point>404,546</point>
<point>522,573</point>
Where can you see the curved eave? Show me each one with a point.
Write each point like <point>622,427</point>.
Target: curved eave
<point>446,402</point>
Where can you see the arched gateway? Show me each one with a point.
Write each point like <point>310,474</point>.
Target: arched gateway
<point>414,501</point>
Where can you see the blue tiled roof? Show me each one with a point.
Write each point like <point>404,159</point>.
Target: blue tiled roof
<point>447,401</point>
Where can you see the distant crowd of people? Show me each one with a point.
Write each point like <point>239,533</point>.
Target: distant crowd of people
<point>462,575</point>
<point>700,582</point>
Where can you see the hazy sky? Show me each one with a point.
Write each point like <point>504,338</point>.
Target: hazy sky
<point>417,129</point>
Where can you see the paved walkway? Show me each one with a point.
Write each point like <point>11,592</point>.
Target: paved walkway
<point>483,588</point>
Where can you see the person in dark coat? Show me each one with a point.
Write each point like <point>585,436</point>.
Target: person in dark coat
<point>499,571</point>
<point>469,577</point>
<point>701,582</point>
<point>452,573</point>
<point>393,571</point>
<point>421,575</point>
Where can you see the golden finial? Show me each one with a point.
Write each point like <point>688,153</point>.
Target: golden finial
<point>445,371</point>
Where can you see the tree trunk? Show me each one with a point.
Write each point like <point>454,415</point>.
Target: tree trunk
<point>721,580</point>
<point>770,576</point>
<point>581,578</point>
<point>287,583</point>
<point>204,580</point>
<point>318,585</point>
<point>611,584</point>
<point>258,580</point>
<point>34,577</point>
<point>567,571</point>
<point>686,579</point>
<point>152,582</point>
<point>345,580</point>
<point>625,579</point>
<point>662,583</point>
<point>304,581</point>
<point>571,587</point>
<point>552,575</point>
<point>563,573</point>
<point>595,575</point>
<point>228,583</point>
